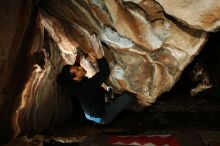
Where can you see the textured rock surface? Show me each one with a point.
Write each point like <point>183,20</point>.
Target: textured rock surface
<point>146,50</point>
<point>30,99</point>
<point>14,26</point>
<point>149,54</point>
<point>199,14</point>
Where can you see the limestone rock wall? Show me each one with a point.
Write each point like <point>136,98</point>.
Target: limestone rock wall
<point>149,50</point>
<point>148,43</point>
<point>30,100</point>
<point>15,23</point>
<point>199,14</point>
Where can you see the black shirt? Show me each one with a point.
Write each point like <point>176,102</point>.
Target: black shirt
<point>90,93</point>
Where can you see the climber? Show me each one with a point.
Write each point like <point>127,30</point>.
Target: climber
<point>91,94</point>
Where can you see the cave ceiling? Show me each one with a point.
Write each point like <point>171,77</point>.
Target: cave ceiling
<point>146,50</point>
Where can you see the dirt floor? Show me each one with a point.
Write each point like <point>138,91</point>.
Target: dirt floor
<point>169,115</point>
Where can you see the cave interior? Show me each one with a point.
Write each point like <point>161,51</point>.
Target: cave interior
<point>177,59</point>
